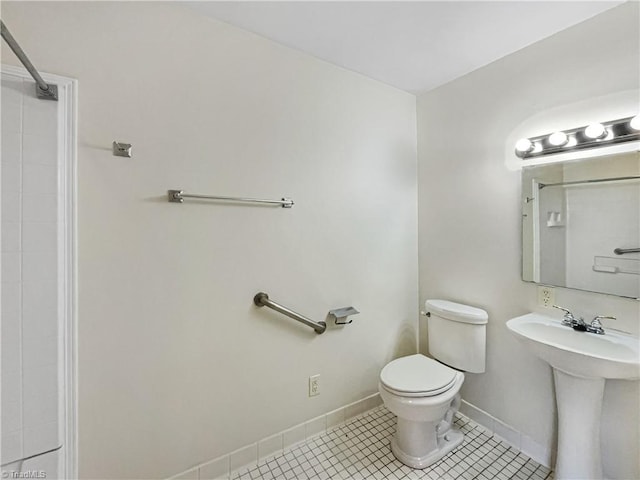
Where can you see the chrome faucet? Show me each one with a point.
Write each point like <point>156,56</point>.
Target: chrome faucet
<point>570,320</point>
<point>578,324</point>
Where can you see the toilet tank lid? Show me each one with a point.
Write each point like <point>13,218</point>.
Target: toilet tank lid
<point>456,311</point>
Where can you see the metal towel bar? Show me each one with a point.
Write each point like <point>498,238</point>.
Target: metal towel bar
<point>178,196</point>
<point>262,300</point>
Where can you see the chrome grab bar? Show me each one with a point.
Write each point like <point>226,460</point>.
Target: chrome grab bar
<point>262,300</point>
<point>622,251</point>
<point>178,196</point>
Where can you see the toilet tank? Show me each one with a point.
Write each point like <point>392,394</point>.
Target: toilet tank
<point>457,334</point>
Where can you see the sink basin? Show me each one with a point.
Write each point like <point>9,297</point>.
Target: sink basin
<point>581,363</point>
<point>612,355</point>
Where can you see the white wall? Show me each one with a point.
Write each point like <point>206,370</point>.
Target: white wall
<point>176,366</point>
<point>29,294</point>
<point>469,225</point>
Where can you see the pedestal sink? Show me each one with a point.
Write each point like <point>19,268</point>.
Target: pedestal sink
<point>581,362</point>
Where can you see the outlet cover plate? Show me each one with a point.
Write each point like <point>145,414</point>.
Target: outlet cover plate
<point>314,385</point>
<point>546,296</point>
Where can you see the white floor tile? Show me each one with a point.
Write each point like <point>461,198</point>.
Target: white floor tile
<point>359,449</point>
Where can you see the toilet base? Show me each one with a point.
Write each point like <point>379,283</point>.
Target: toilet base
<point>451,440</point>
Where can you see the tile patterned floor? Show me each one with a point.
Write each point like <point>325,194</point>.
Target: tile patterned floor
<point>359,449</point>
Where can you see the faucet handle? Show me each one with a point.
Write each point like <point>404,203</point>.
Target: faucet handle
<point>568,318</point>
<point>565,310</point>
<point>596,325</point>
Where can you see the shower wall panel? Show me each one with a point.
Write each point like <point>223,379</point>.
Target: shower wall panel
<point>29,291</point>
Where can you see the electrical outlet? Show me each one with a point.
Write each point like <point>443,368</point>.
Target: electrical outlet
<point>314,385</point>
<point>546,296</point>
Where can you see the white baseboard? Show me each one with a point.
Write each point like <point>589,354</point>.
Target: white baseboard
<point>250,455</point>
<point>527,445</point>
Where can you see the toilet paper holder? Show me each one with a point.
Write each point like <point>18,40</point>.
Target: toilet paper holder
<point>340,315</point>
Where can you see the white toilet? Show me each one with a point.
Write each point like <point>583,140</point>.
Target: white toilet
<point>423,393</point>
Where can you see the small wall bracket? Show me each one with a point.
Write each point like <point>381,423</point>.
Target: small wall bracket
<point>122,149</point>
<point>50,93</point>
<point>340,315</point>
<point>175,196</point>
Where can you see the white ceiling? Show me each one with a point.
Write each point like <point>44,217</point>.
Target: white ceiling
<point>416,45</point>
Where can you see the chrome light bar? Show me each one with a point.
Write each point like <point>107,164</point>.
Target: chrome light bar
<point>591,136</point>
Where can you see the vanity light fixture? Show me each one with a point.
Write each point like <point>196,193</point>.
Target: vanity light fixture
<point>591,136</point>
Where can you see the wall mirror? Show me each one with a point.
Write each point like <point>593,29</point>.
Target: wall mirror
<point>581,224</point>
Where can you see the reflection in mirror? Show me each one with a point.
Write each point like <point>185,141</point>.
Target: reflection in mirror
<point>574,217</point>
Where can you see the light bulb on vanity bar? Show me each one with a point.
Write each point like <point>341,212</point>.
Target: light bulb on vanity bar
<point>557,139</point>
<point>595,131</point>
<point>524,145</point>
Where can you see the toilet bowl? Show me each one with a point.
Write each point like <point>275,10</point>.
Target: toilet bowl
<point>424,395</point>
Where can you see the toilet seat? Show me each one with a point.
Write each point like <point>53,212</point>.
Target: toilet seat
<point>417,376</point>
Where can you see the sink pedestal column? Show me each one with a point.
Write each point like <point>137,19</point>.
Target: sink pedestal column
<point>579,403</point>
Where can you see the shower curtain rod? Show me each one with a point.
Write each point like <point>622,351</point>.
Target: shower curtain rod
<point>588,182</point>
<point>44,90</point>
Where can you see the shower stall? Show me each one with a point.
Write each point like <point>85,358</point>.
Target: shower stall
<point>37,295</point>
